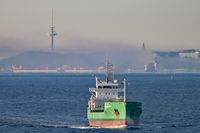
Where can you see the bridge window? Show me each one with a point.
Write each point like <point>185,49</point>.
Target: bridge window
<point>107,86</point>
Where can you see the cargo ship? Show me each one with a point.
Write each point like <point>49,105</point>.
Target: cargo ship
<point>107,106</point>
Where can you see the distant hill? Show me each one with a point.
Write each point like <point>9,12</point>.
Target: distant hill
<point>52,59</point>
<point>39,59</point>
<point>122,60</point>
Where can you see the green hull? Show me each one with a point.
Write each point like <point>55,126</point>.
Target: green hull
<point>126,112</point>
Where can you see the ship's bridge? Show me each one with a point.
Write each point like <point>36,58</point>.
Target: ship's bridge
<point>105,90</point>
<point>107,85</point>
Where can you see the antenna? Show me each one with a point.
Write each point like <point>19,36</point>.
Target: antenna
<point>52,33</point>
<point>52,18</point>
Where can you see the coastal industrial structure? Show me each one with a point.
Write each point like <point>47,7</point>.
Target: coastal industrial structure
<point>194,54</point>
<point>178,61</point>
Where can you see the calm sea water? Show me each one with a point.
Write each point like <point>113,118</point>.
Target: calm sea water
<point>48,103</point>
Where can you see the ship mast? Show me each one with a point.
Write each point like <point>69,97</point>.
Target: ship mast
<point>106,70</point>
<point>124,90</point>
<point>109,70</point>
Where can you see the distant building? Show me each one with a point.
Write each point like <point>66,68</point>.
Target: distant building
<point>189,54</point>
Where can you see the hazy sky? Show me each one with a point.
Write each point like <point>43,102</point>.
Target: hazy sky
<point>161,24</point>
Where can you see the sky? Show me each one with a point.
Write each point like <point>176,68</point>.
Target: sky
<point>161,24</point>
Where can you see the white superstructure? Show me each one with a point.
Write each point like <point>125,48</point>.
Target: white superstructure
<point>107,90</point>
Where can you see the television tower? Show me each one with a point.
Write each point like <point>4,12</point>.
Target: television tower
<point>52,33</point>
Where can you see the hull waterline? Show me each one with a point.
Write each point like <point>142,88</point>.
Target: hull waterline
<point>108,123</point>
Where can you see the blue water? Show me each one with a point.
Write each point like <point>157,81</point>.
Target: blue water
<point>48,103</point>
